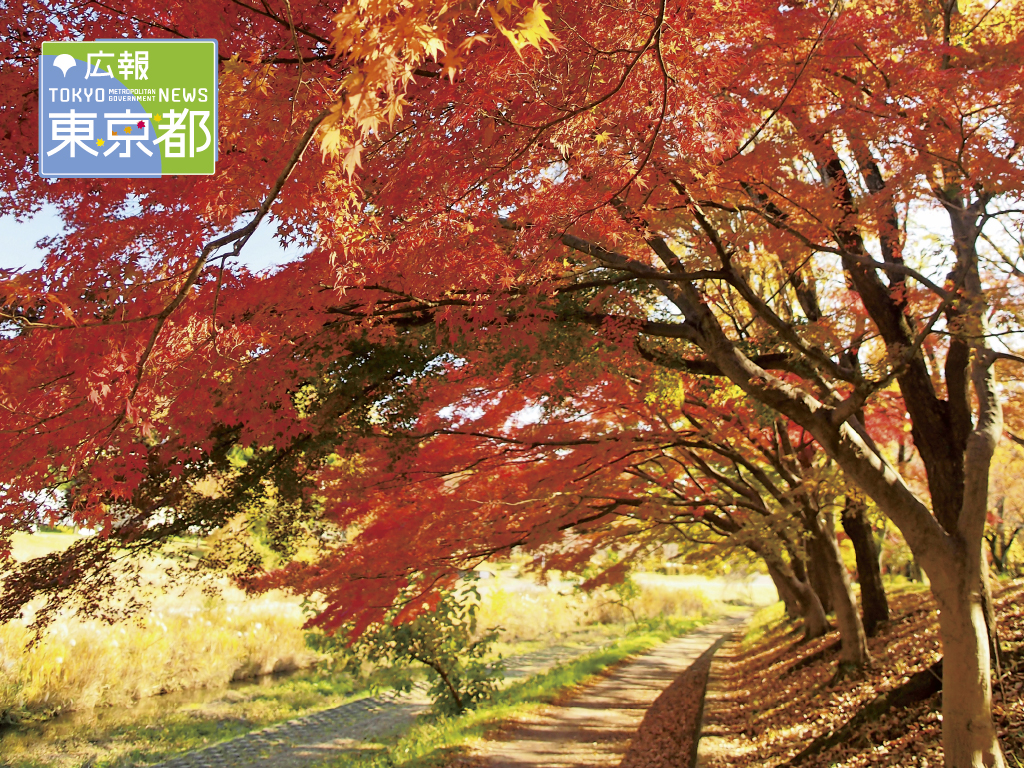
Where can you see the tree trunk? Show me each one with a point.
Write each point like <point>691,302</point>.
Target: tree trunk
<point>874,605</point>
<point>959,581</point>
<point>786,593</point>
<point>968,733</point>
<point>913,571</point>
<point>854,650</point>
<point>797,560</point>
<point>998,558</point>
<point>786,581</point>
<point>999,542</point>
<point>879,542</point>
<point>815,622</point>
<point>998,553</point>
<point>817,573</point>
<point>955,448</point>
<point>991,624</point>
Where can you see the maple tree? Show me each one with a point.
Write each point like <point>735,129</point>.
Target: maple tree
<point>724,190</point>
<point>622,464</point>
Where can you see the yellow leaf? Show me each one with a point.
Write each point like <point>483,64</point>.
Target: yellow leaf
<point>234,66</point>
<point>532,30</point>
<point>330,136</point>
<point>534,27</point>
<point>330,143</point>
<point>353,159</point>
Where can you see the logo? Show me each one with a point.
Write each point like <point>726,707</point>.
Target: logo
<point>128,108</point>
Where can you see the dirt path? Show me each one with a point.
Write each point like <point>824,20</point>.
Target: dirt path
<point>594,728</point>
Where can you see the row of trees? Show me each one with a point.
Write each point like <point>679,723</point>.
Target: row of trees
<point>576,274</point>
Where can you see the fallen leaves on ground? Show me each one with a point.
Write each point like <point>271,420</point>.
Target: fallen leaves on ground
<point>665,737</point>
<point>766,703</point>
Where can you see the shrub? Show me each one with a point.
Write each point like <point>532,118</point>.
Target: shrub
<point>445,642</point>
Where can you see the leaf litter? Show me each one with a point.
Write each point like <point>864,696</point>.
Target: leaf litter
<point>768,701</point>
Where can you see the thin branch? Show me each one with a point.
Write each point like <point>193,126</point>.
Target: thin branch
<point>239,236</point>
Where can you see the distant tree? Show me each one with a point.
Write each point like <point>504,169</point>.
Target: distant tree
<point>1006,500</point>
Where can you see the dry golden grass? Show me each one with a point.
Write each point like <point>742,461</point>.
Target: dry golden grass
<point>183,642</point>
<point>25,546</point>
<point>526,615</point>
<point>651,602</point>
<point>187,640</point>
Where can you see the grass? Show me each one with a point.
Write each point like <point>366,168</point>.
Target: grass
<point>186,640</point>
<point>526,616</point>
<point>25,546</point>
<point>899,584</point>
<point>178,645</point>
<point>763,622</point>
<point>163,727</point>
<point>432,743</point>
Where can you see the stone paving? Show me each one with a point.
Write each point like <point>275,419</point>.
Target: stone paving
<point>351,728</point>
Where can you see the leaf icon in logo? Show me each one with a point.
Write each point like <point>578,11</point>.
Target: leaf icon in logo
<point>64,62</point>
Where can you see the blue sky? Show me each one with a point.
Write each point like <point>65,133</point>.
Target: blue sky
<point>18,239</point>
